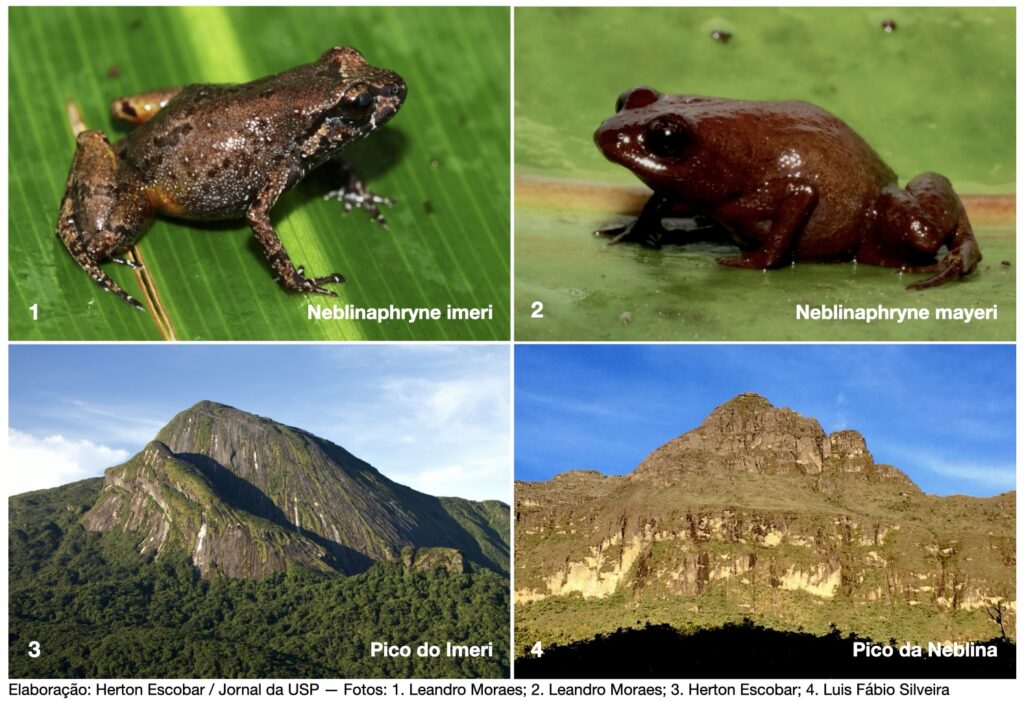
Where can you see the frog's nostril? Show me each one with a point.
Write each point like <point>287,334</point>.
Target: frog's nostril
<point>392,90</point>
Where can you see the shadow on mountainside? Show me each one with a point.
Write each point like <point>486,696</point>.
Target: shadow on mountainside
<point>746,650</point>
<point>243,495</point>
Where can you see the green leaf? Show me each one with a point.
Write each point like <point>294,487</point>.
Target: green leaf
<point>444,159</point>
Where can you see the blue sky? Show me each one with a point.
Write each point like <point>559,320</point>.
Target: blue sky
<point>434,417</point>
<point>944,414</point>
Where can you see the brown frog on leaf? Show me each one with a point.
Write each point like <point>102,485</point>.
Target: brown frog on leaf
<point>786,181</point>
<point>212,152</point>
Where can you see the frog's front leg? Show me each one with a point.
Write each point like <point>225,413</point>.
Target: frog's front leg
<point>924,217</point>
<point>104,210</point>
<point>647,229</point>
<point>788,209</point>
<point>355,193</point>
<point>139,108</point>
<point>288,276</point>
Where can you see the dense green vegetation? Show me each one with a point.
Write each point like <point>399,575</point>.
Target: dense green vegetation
<point>568,619</point>
<point>99,609</point>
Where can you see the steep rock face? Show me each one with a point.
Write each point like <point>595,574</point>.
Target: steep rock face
<point>311,501</point>
<point>173,506</point>
<point>749,435</point>
<point>760,506</point>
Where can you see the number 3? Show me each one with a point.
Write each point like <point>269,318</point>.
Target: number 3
<point>33,649</point>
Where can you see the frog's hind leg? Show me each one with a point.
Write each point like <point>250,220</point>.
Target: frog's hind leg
<point>139,108</point>
<point>926,216</point>
<point>101,213</point>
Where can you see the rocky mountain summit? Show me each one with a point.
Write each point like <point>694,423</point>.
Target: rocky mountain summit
<point>244,496</point>
<point>759,513</point>
<point>749,435</point>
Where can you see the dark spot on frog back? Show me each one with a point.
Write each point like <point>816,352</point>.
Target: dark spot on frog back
<point>152,162</point>
<point>172,136</point>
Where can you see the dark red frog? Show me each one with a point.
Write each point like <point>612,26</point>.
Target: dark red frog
<point>787,182</point>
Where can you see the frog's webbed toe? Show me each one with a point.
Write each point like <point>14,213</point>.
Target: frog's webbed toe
<point>127,263</point>
<point>305,285</point>
<point>755,260</point>
<point>648,236</point>
<point>613,232</point>
<point>287,275</point>
<point>355,194</point>
<point>959,262</point>
<point>315,285</point>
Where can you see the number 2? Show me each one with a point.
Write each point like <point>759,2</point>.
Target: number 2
<point>538,310</point>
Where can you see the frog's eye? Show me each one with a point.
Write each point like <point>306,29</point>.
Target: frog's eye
<point>357,102</point>
<point>666,137</point>
<point>636,98</point>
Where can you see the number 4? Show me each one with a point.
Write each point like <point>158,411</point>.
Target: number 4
<point>537,650</point>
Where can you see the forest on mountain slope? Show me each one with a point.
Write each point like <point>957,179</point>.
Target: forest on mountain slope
<point>98,608</point>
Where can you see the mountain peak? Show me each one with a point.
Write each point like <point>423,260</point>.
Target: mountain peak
<point>746,400</point>
<point>749,407</point>
<point>748,434</point>
<point>217,478</point>
<point>207,406</point>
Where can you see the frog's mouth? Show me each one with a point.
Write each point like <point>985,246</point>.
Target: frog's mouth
<point>626,148</point>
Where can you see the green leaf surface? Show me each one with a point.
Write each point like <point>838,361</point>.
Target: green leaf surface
<point>596,292</point>
<point>444,158</point>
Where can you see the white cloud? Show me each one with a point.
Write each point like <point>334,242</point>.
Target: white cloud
<point>561,403</point>
<point>474,480</point>
<point>41,463</point>
<point>123,423</point>
<point>450,404</point>
<point>1001,477</point>
<point>975,478</point>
